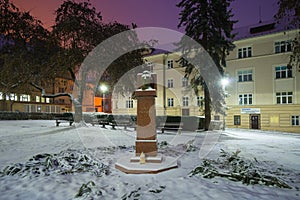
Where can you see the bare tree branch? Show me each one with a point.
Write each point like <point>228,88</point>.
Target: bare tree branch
<point>44,94</point>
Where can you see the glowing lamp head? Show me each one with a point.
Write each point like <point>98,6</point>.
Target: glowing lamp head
<point>225,81</point>
<point>103,88</point>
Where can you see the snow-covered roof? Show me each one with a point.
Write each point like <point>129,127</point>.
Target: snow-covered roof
<point>262,28</point>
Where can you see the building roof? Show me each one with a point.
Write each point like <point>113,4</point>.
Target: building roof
<point>249,31</point>
<point>262,28</point>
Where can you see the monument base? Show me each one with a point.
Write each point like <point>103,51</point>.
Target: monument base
<point>149,159</point>
<point>153,165</point>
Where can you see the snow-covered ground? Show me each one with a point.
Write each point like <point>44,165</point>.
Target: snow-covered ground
<point>20,141</point>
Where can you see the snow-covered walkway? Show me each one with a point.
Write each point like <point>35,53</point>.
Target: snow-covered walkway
<point>21,140</point>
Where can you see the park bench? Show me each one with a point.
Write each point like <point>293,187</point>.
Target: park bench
<point>121,122</point>
<point>171,126</point>
<point>64,118</point>
<point>101,120</point>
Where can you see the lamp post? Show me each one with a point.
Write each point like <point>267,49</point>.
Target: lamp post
<point>224,83</point>
<point>103,89</point>
<point>165,56</point>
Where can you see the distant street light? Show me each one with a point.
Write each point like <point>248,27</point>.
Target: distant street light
<point>224,82</point>
<point>103,89</point>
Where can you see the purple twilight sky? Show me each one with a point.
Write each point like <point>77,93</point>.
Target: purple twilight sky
<point>157,13</point>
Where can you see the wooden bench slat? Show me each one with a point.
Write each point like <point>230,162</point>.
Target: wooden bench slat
<point>171,126</point>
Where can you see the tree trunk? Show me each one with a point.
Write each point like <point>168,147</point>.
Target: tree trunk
<point>78,113</point>
<point>78,104</point>
<point>207,102</point>
<point>11,103</point>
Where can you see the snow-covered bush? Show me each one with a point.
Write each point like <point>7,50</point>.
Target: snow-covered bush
<point>235,168</point>
<point>65,162</point>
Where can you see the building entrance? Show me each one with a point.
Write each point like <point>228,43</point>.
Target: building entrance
<point>255,121</point>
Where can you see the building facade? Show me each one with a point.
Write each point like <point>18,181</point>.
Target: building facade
<point>175,97</point>
<point>33,101</point>
<point>264,92</point>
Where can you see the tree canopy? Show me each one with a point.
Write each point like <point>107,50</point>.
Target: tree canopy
<point>26,48</point>
<point>290,10</point>
<point>209,23</point>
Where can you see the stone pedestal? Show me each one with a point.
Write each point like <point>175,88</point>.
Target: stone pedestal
<point>146,141</point>
<point>146,127</point>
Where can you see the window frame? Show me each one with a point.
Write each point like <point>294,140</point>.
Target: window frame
<point>282,72</point>
<point>170,64</point>
<point>200,100</point>
<point>129,103</point>
<point>25,98</point>
<point>237,120</point>
<point>185,82</point>
<point>185,101</point>
<point>284,97</point>
<point>245,75</point>
<point>170,102</point>
<point>245,99</point>
<point>170,83</point>
<point>283,46</point>
<point>295,120</point>
<point>244,52</point>
<point>149,65</point>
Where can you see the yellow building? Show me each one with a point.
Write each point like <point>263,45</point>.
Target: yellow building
<point>177,98</point>
<point>264,93</point>
<point>33,101</point>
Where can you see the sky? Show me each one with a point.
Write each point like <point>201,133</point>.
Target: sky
<point>150,13</point>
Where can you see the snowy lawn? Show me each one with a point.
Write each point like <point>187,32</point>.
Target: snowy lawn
<point>42,161</point>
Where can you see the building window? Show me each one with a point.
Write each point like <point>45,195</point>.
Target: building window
<point>39,108</point>
<point>283,72</point>
<point>47,109</point>
<point>217,117</point>
<point>57,109</point>
<point>295,120</point>
<point>25,97</point>
<point>245,52</point>
<point>47,100</point>
<point>33,108</point>
<point>12,97</point>
<point>37,99</point>
<point>170,64</point>
<point>237,119</point>
<point>1,95</point>
<point>245,75</point>
<point>284,97</point>
<point>199,101</point>
<point>53,109</point>
<point>185,82</point>
<point>170,102</point>
<point>283,46</point>
<point>149,66</point>
<point>185,101</point>
<point>26,108</point>
<point>245,99</point>
<point>129,103</point>
<point>170,83</point>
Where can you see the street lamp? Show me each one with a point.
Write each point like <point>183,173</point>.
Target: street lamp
<point>103,89</point>
<point>224,83</point>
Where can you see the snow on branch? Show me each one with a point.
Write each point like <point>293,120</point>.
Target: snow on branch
<point>44,94</point>
<point>11,86</point>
